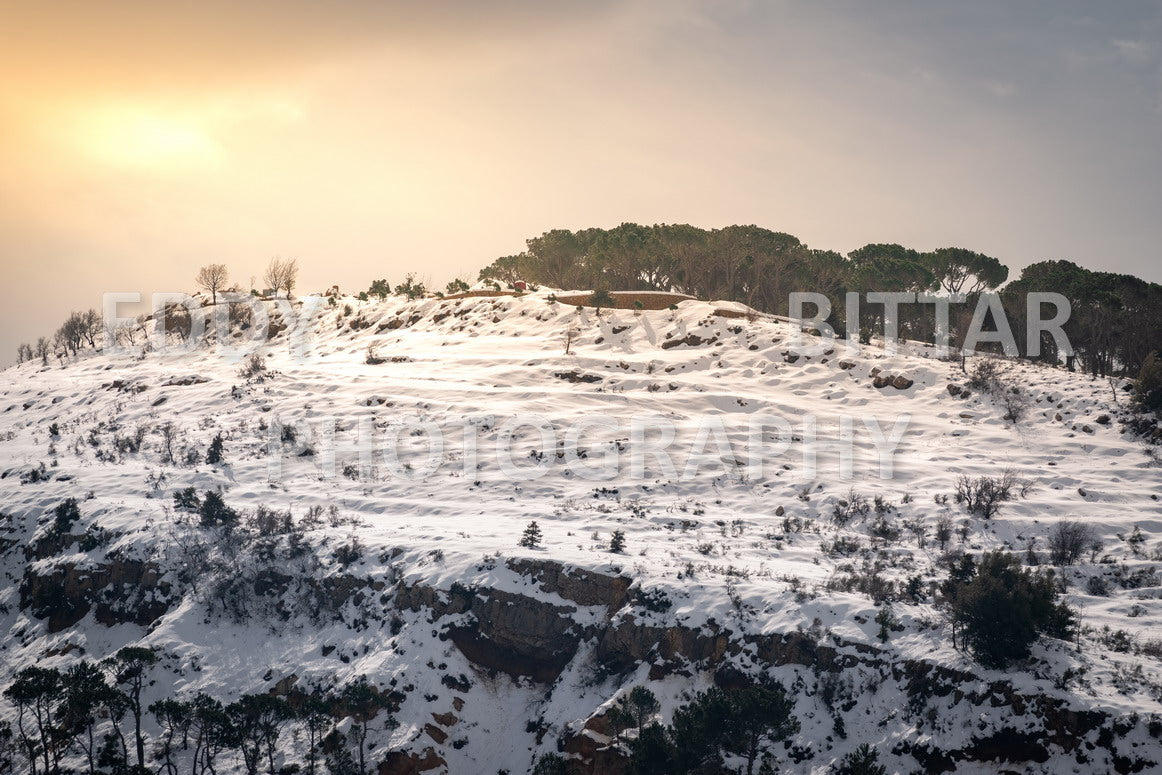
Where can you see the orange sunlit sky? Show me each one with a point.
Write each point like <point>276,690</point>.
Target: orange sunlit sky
<point>139,140</point>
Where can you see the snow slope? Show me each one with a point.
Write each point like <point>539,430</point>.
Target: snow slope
<point>727,542</point>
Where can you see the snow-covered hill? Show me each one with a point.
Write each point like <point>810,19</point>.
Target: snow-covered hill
<point>412,442</point>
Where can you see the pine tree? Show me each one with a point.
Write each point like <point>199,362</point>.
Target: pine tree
<point>531,538</point>
<point>617,542</point>
<point>862,761</point>
<point>214,455</point>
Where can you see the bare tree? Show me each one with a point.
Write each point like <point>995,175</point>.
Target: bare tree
<point>91,326</point>
<point>43,348</point>
<point>571,335</point>
<point>213,278</point>
<point>73,332</point>
<point>1068,541</point>
<point>281,274</point>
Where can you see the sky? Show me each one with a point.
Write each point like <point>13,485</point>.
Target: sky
<point>140,140</point>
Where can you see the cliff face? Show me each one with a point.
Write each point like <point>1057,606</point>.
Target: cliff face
<point>570,620</point>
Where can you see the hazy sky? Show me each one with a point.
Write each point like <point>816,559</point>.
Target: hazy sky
<point>140,140</point>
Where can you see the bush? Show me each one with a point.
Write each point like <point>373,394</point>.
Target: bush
<point>254,366</point>
<point>1097,586</point>
<point>986,375</point>
<point>1000,608</point>
<point>854,505</point>
<point>983,496</point>
<point>1068,541</point>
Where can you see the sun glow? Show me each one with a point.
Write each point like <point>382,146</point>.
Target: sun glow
<point>141,138</point>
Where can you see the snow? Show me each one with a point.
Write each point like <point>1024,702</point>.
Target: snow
<point>486,367</point>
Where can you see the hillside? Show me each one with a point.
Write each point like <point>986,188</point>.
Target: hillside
<point>407,569</point>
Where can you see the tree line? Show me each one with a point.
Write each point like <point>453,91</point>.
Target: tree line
<point>1116,319</point>
<point>94,713</point>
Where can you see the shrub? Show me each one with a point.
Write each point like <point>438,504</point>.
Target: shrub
<point>254,366</point>
<point>1001,608</point>
<point>1097,586</point>
<point>854,505</point>
<point>983,496</point>
<point>985,376</point>
<point>1068,541</point>
<point>349,553</point>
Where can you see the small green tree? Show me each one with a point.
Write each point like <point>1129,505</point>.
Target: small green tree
<point>642,705</point>
<point>214,454</point>
<point>1003,608</point>
<point>617,542</point>
<point>552,764</point>
<point>757,715</point>
<point>214,510</point>
<point>601,299</point>
<point>379,288</point>
<point>456,286</point>
<point>531,538</point>
<point>862,761</point>
<point>411,288</point>
<point>65,515</point>
<point>257,721</point>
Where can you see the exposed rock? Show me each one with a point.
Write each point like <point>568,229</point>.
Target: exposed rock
<point>576,375</point>
<point>407,763</point>
<point>690,340</point>
<point>897,381</point>
<point>188,379</point>
<point>583,587</point>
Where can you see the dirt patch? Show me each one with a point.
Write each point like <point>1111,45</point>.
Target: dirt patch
<point>627,299</point>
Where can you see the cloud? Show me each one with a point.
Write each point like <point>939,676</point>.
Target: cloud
<point>1134,51</point>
